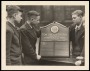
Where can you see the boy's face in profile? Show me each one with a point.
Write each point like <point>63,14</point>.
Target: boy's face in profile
<point>35,20</point>
<point>18,17</point>
<point>76,19</point>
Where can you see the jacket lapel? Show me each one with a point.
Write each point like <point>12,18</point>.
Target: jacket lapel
<point>80,32</point>
<point>31,31</point>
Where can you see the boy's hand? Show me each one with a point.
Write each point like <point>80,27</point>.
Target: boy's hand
<point>38,57</point>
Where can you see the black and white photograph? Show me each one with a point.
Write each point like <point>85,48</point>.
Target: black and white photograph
<point>45,35</point>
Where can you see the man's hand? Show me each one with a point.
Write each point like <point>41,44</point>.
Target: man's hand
<point>38,57</point>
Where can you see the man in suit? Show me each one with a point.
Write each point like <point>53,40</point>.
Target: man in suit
<point>77,33</point>
<point>29,33</point>
<point>13,48</point>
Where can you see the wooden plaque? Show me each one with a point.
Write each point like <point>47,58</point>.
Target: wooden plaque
<point>54,41</point>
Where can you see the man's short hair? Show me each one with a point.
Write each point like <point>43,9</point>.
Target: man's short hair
<point>11,9</point>
<point>78,12</point>
<point>32,13</point>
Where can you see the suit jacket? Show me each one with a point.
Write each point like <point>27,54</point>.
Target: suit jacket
<point>77,39</point>
<point>13,48</point>
<point>28,39</point>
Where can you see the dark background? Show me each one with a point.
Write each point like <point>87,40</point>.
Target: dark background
<point>50,13</point>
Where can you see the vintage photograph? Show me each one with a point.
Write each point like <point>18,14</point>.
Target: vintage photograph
<point>45,35</point>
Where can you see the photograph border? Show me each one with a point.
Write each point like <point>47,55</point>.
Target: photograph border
<point>3,35</point>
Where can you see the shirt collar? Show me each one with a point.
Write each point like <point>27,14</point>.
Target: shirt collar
<point>29,24</point>
<point>78,26</point>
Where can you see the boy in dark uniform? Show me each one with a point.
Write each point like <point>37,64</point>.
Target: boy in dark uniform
<point>77,33</point>
<point>13,48</point>
<point>29,33</point>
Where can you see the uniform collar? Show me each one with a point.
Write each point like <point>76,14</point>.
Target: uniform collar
<point>11,22</point>
<point>28,24</point>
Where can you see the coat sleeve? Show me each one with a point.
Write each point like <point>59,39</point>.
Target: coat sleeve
<point>26,45</point>
<point>83,44</point>
<point>8,46</point>
<point>38,33</point>
<point>71,30</point>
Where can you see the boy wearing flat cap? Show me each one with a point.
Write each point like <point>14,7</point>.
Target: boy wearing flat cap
<point>77,32</point>
<point>30,31</point>
<point>13,47</point>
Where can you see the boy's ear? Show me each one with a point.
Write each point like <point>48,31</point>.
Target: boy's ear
<point>14,15</point>
<point>31,18</point>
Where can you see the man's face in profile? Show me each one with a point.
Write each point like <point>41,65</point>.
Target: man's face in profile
<point>76,19</point>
